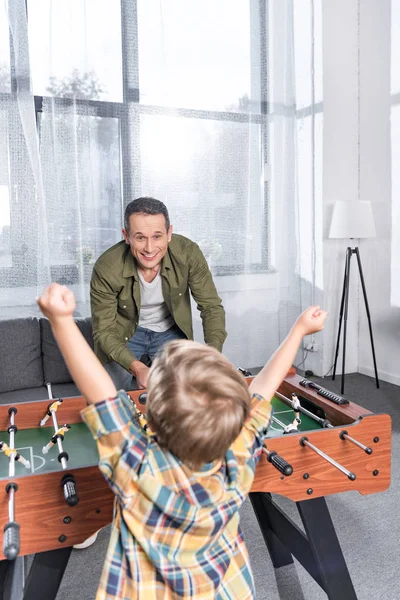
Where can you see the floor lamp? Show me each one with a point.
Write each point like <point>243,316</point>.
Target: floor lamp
<point>353,219</point>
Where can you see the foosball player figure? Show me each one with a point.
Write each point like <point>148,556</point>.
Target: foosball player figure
<point>51,408</point>
<point>292,427</point>
<point>142,421</point>
<point>17,456</point>
<point>296,410</point>
<point>176,530</point>
<point>59,433</point>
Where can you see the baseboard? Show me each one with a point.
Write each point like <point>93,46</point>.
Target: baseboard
<point>389,377</point>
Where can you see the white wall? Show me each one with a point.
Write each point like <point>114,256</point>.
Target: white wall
<point>340,164</point>
<point>376,186</point>
<point>357,116</point>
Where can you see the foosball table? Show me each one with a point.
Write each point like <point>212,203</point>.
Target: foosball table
<point>53,496</point>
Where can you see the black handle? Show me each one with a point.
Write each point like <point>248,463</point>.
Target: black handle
<point>279,462</point>
<point>143,398</point>
<point>69,489</point>
<point>307,383</point>
<point>244,372</point>
<point>11,540</point>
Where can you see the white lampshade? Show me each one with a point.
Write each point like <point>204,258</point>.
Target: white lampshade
<point>353,219</point>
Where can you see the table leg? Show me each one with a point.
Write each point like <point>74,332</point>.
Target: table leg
<point>326,549</point>
<point>45,574</point>
<point>318,549</point>
<point>12,578</point>
<point>279,554</point>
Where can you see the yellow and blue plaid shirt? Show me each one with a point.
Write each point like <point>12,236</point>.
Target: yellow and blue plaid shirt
<point>175,533</point>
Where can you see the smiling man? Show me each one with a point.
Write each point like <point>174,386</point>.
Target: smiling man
<point>140,294</point>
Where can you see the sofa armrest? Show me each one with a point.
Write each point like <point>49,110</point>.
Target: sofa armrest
<point>20,354</point>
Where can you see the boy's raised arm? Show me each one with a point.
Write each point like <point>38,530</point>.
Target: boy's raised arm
<point>271,376</point>
<point>57,303</point>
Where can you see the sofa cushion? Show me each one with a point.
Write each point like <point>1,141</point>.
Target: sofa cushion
<point>20,354</point>
<point>25,395</point>
<point>54,367</point>
<point>65,390</point>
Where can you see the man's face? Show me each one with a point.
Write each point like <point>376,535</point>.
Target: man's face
<point>148,239</point>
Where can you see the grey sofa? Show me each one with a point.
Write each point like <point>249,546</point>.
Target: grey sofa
<point>29,358</point>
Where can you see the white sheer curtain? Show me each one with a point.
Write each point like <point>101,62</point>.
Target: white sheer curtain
<point>395,146</point>
<point>213,106</point>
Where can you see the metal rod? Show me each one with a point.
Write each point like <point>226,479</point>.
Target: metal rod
<point>11,504</point>
<point>323,422</point>
<point>59,440</point>
<point>304,442</point>
<point>364,289</point>
<point>11,489</point>
<point>278,422</point>
<point>11,468</point>
<point>56,427</point>
<point>346,310</point>
<point>345,436</point>
<point>55,422</point>
<point>340,319</point>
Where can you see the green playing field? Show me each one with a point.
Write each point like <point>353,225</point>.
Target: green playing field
<point>78,442</point>
<point>285,414</point>
<point>82,449</point>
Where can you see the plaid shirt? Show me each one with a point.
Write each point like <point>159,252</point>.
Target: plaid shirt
<point>175,532</point>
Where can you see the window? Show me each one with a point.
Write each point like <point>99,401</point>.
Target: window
<point>131,100</point>
<point>201,60</point>
<point>203,124</point>
<point>84,175</point>
<point>204,203</point>
<point>75,48</point>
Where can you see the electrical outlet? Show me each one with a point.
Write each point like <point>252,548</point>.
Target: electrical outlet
<point>311,347</point>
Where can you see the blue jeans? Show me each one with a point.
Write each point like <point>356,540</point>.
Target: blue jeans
<point>143,341</point>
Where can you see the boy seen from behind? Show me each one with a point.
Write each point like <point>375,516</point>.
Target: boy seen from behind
<point>176,531</point>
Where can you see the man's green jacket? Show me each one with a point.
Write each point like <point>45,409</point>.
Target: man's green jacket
<point>115,297</point>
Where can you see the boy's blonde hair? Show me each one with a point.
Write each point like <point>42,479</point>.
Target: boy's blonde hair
<point>197,402</point>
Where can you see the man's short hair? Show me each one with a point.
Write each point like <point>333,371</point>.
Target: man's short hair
<point>197,402</point>
<point>146,206</point>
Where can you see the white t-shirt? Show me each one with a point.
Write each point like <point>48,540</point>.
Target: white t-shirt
<point>154,313</point>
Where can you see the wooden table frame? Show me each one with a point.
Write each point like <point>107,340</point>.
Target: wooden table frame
<point>64,526</point>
